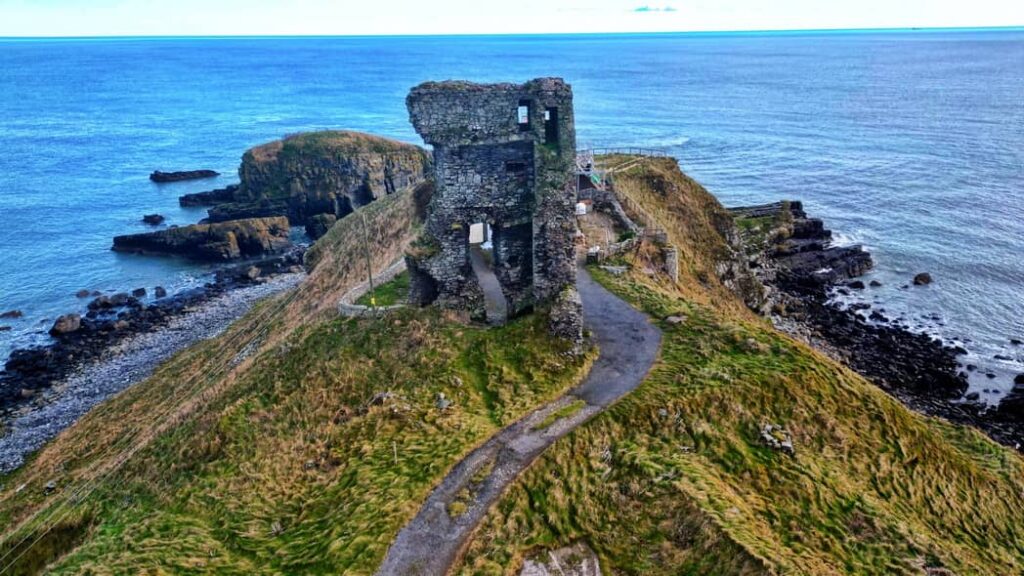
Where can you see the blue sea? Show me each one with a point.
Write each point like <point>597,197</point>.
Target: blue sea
<point>911,142</point>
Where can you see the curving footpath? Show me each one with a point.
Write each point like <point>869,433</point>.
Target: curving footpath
<point>628,345</point>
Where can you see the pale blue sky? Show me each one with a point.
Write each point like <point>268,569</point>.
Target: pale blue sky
<point>345,17</point>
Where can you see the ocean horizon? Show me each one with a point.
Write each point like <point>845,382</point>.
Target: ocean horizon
<point>909,141</point>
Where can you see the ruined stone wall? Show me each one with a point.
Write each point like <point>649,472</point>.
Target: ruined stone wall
<point>503,154</point>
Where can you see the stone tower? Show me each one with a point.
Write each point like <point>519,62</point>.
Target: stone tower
<point>504,157</point>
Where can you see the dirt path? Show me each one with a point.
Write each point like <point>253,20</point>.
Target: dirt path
<point>494,298</point>
<point>628,345</point>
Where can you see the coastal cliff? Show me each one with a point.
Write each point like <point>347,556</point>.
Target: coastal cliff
<point>311,175</point>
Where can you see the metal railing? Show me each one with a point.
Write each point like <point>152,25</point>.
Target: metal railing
<point>629,151</point>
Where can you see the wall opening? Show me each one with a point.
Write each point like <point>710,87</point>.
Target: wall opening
<point>481,259</point>
<point>523,115</point>
<point>480,234</point>
<point>517,172</point>
<point>551,125</point>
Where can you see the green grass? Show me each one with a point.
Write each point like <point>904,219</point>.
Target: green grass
<point>297,469</point>
<point>675,480</point>
<point>563,412</point>
<point>310,455</point>
<point>394,291</point>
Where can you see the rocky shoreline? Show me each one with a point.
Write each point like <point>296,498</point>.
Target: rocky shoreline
<point>111,320</point>
<point>127,361</point>
<point>794,258</point>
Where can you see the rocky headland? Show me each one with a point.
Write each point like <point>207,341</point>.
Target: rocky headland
<point>793,255</point>
<point>313,177</point>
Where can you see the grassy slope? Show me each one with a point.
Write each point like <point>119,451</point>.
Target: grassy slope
<point>395,291</point>
<point>262,451</point>
<point>674,479</point>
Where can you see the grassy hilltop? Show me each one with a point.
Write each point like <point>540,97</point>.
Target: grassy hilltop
<point>301,442</point>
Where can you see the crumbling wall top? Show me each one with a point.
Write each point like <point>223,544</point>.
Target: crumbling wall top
<point>457,113</point>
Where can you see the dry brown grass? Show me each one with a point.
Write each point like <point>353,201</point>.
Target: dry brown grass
<point>674,479</point>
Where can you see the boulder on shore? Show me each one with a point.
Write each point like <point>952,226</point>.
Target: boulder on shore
<point>212,242</point>
<point>153,219</point>
<point>922,279</point>
<point>66,324</point>
<point>162,177</point>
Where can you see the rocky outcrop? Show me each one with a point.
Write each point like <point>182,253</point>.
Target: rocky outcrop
<point>212,242</point>
<point>153,219</point>
<point>305,175</point>
<point>793,255</point>
<point>162,177</point>
<point>788,249</point>
<point>210,198</point>
<point>262,208</point>
<point>319,224</point>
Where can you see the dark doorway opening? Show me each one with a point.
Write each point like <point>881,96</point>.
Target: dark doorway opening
<point>551,126</point>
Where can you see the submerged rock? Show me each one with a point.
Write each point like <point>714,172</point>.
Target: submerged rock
<point>212,242</point>
<point>12,314</point>
<point>153,219</point>
<point>922,279</point>
<point>162,177</point>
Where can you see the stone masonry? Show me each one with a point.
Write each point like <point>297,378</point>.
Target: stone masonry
<point>503,155</point>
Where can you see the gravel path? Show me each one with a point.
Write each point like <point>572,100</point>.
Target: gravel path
<point>123,365</point>
<point>628,345</point>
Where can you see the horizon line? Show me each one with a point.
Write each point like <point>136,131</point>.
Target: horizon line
<point>1015,27</point>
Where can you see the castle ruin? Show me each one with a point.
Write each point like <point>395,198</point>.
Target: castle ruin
<point>504,166</point>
